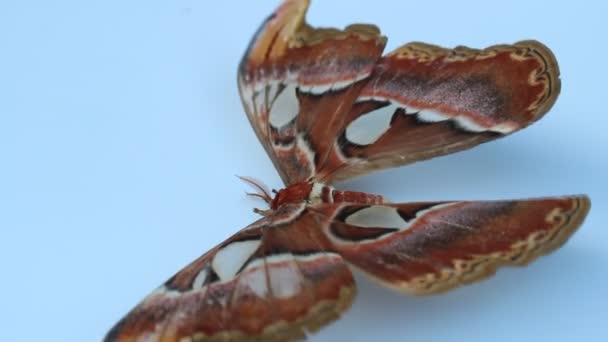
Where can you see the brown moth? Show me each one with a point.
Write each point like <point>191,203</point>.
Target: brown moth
<point>327,106</point>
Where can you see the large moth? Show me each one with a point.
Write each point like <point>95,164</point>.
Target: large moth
<point>327,106</point>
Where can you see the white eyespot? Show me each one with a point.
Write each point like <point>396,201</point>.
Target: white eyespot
<point>469,125</point>
<point>504,128</point>
<point>229,259</point>
<point>377,216</point>
<point>284,276</point>
<point>316,89</point>
<point>254,281</point>
<point>430,116</point>
<point>164,291</point>
<point>278,273</point>
<point>285,107</point>
<point>285,280</point>
<point>320,89</point>
<point>200,279</point>
<point>339,85</point>
<point>368,128</point>
<point>259,272</point>
<point>271,91</point>
<point>464,122</point>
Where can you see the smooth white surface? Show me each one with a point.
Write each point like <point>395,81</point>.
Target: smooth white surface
<point>285,108</point>
<point>368,128</point>
<point>121,131</point>
<point>377,216</point>
<point>229,259</point>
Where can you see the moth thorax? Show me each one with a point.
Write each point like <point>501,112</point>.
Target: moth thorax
<point>298,192</point>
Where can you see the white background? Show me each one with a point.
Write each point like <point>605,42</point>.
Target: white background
<point>121,131</point>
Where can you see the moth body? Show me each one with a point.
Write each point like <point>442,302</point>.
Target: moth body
<point>315,193</point>
<point>329,105</point>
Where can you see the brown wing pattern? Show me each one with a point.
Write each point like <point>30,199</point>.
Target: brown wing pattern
<point>272,281</point>
<point>423,101</point>
<point>424,248</point>
<point>296,82</point>
<point>326,105</point>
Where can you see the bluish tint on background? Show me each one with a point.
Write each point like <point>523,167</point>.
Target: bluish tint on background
<point>121,131</point>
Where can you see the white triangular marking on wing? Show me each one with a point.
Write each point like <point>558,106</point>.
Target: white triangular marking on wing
<point>429,115</point>
<point>377,216</point>
<point>285,107</point>
<point>285,279</point>
<point>231,258</point>
<point>200,279</point>
<point>368,128</point>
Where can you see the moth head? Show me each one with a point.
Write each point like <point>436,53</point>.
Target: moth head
<point>298,192</point>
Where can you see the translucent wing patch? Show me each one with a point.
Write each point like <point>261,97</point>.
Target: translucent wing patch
<point>424,248</point>
<point>327,106</point>
<point>269,282</point>
<point>296,81</point>
<point>423,101</point>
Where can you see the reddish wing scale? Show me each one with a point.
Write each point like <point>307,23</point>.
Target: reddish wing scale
<point>326,105</point>
<point>286,65</point>
<point>441,245</point>
<point>295,279</point>
<point>272,281</point>
<point>429,101</point>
